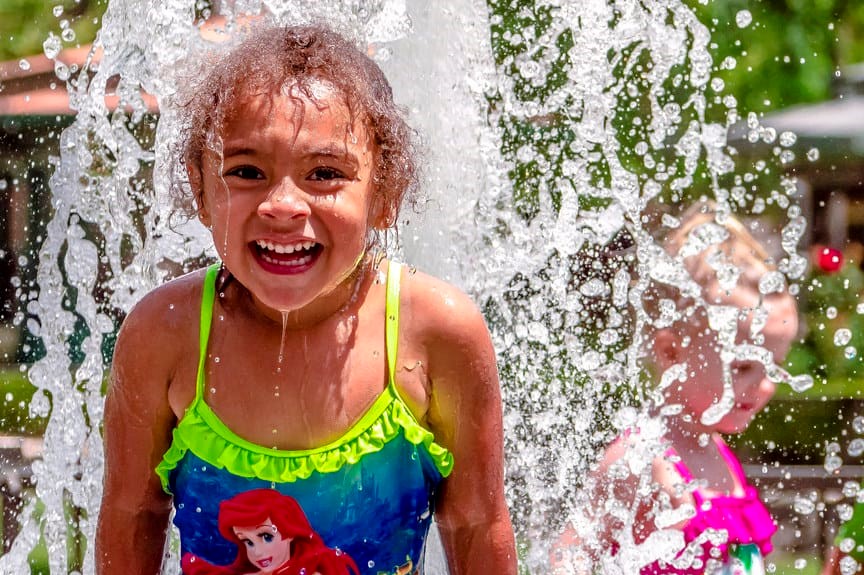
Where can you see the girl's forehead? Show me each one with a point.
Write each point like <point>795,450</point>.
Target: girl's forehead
<point>315,107</point>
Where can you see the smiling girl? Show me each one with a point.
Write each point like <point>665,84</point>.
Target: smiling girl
<point>304,361</point>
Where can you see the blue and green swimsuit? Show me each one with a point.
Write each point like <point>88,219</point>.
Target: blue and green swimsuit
<point>369,493</point>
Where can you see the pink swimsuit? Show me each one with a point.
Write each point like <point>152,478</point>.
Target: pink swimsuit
<point>745,519</point>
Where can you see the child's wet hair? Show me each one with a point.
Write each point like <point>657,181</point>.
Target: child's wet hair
<point>738,250</point>
<point>270,59</point>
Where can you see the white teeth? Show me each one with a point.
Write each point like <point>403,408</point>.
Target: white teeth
<point>285,248</point>
<point>287,264</point>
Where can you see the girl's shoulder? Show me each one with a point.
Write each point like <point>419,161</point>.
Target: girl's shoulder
<point>167,315</point>
<point>439,309</point>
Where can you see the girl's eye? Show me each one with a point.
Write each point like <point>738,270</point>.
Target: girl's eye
<point>323,173</point>
<point>267,537</point>
<point>247,543</point>
<point>246,173</point>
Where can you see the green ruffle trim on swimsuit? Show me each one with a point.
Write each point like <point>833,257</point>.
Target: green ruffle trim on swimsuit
<point>201,432</point>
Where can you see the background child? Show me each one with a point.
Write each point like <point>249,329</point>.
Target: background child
<point>695,493</point>
<point>305,362</point>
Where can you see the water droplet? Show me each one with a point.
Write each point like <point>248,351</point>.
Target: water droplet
<point>3,185</point>
<point>51,46</point>
<point>848,566</point>
<point>858,425</point>
<point>803,505</point>
<point>800,563</point>
<point>61,70</point>
<point>831,312</point>
<point>57,10</point>
<point>197,510</point>
<point>800,383</point>
<point>842,336</point>
<point>212,390</point>
<point>772,282</point>
<point>24,64</point>
<point>813,154</point>
<point>743,18</point>
<point>217,359</point>
<point>68,35</point>
<point>849,352</point>
<point>788,139</point>
<point>171,306</point>
<point>856,448</point>
<point>833,463</point>
<point>371,564</point>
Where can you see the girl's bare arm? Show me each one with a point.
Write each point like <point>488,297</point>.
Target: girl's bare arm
<point>137,430</point>
<point>465,415</point>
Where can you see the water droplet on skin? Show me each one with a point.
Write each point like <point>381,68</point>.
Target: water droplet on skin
<point>217,359</point>
<point>212,390</point>
<point>171,306</point>
<point>24,64</point>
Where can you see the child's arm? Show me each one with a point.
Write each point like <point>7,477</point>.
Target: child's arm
<point>137,429</point>
<point>465,415</point>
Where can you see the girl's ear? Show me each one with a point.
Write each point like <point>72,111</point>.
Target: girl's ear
<point>667,348</point>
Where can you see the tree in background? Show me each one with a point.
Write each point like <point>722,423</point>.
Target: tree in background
<point>26,24</point>
<point>786,52</point>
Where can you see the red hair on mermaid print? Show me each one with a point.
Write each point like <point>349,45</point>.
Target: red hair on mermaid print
<point>272,535</point>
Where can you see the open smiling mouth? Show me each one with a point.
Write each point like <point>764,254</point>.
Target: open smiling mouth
<point>286,258</point>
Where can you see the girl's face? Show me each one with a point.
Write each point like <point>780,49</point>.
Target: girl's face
<point>289,200</point>
<point>750,384</point>
<point>265,547</point>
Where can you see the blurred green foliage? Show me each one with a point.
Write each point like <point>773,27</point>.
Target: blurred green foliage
<point>25,24</point>
<point>792,51</point>
<point>832,350</point>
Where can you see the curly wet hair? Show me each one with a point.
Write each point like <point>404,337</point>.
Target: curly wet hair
<point>269,59</point>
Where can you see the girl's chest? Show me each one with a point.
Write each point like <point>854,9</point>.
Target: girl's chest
<point>295,391</point>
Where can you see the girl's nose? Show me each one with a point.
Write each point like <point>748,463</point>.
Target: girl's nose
<point>285,201</point>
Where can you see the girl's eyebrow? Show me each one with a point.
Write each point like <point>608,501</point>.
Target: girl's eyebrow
<point>336,153</point>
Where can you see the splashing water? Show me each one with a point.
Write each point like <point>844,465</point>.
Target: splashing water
<point>556,134</point>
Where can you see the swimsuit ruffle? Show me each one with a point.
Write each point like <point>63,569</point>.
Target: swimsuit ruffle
<point>201,432</point>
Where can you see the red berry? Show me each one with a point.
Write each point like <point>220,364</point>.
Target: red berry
<point>830,260</point>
